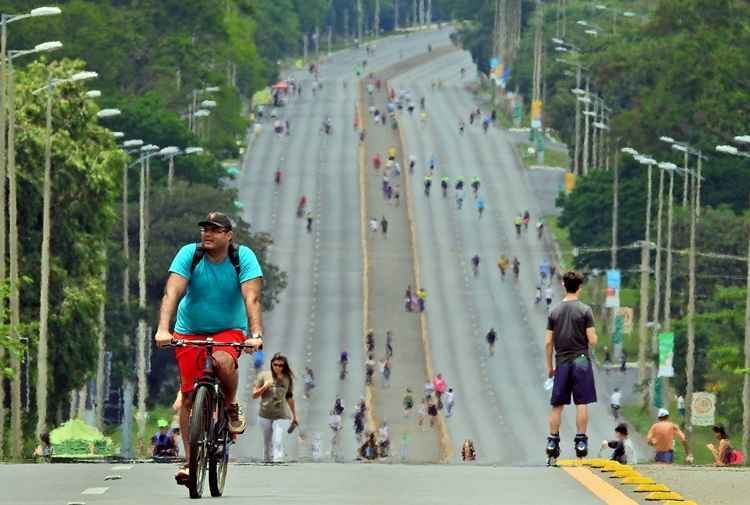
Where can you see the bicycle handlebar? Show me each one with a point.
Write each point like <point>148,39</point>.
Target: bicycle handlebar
<point>211,342</point>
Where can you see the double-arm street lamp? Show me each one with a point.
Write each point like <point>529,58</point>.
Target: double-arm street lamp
<point>193,107</point>
<point>170,153</point>
<point>41,389</point>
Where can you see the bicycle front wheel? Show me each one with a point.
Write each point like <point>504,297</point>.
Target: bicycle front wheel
<point>218,461</point>
<point>200,436</point>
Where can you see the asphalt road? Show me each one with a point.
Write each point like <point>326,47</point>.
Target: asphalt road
<point>309,484</point>
<point>500,400</point>
<point>320,312</point>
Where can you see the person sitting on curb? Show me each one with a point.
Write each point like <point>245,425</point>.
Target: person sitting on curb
<point>369,450</point>
<point>661,436</point>
<point>724,454</point>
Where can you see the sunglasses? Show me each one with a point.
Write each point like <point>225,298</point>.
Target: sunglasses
<point>213,229</point>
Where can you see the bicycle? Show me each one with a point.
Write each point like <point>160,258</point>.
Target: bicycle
<point>209,425</point>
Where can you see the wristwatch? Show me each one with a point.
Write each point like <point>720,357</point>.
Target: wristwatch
<point>260,336</point>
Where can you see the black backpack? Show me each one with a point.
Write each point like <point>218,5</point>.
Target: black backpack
<point>233,253</point>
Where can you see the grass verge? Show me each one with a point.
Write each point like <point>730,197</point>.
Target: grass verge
<point>552,157</point>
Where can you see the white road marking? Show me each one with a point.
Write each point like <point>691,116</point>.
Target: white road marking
<point>95,490</point>
<point>122,467</point>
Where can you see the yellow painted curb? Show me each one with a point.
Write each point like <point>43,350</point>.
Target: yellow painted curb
<point>596,462</point>
<point>568,462</point>
<point>659,495</point>
<point>625,474</point>
<point>614,466</point>
<point>444,441</point>
<point>651,488</point>
<point>673,502</point>
<point>371,421</point>
<point>638,480</point>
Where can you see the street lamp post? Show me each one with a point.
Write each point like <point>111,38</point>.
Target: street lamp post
<point>746,380</point>
<point>130,147</point>
<point>148,151</point>
<point>14,295</point>
<point>586,100</point>
<point>41,389</point>
<point>171,153</point>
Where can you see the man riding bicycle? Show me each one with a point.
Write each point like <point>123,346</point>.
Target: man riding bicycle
<point>215,292</point>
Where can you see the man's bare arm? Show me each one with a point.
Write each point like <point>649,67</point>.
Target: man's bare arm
<point>173,293</point>
<point>548,350</point>
<point>592,337</point>
<point>251,292</point>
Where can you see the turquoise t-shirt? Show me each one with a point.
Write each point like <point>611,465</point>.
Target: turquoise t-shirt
<point>213,301</point>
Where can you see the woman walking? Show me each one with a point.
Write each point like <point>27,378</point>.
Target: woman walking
<point>275,387</point>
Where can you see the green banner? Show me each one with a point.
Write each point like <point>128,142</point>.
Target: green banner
<point>618,338</point>
<point>658,393</point>
<point>666,354</point>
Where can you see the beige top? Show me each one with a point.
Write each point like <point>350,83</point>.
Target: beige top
<point>661,435</point>
<point>273,402</point>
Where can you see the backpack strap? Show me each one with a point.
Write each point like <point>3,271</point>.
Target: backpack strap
<point>233,253</point>
<point>197,256</point>
<point>234,257</point>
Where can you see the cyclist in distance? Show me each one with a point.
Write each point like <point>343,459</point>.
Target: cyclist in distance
<point>214,288</point>
<point>475,264</point>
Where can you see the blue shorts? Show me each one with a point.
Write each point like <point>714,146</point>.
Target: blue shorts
<point>576,379</point>
<point>665,457</point>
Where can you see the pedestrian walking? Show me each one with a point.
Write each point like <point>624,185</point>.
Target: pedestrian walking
<point>407,299</point>
<point>661,436</point>
<point>387,374</point>
<point>408,402</point>
<point>421,298</point>
<point>384,226</point>
<point>397,195</point>
<point>373,224</point>
<point>491,339</point>
<point>309,381</point>
<point>450,398</point>
<point>369,369</point>
<point>439,385</point>
<point>388,344</point>
<point>275,389</point>
<point>432,411</point>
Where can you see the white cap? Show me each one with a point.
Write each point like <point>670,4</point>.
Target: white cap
<point>662,413</point>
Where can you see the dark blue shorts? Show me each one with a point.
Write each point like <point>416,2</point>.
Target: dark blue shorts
<point>664,457</point>
<point>575,379</point>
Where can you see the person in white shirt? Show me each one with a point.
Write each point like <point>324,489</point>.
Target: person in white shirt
<point>615,401</point>
<point>450,398</point>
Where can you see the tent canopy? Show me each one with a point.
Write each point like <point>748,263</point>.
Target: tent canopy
<point>280,85</point>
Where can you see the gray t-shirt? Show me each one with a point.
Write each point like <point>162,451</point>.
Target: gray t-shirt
<point>568,323</point>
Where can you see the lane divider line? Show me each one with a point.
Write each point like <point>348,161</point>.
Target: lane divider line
<point>95,490</point>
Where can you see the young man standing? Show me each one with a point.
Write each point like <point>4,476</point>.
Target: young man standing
<point>570,333</point>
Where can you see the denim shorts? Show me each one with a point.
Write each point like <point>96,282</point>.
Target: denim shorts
<point>576,379</point>
<point>665,457</point>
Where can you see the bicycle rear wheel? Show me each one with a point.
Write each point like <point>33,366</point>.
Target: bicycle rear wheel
<point>200,437</point>
<point>218,460</point>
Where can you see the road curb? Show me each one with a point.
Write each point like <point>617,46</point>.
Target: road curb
<point>362,167</point>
